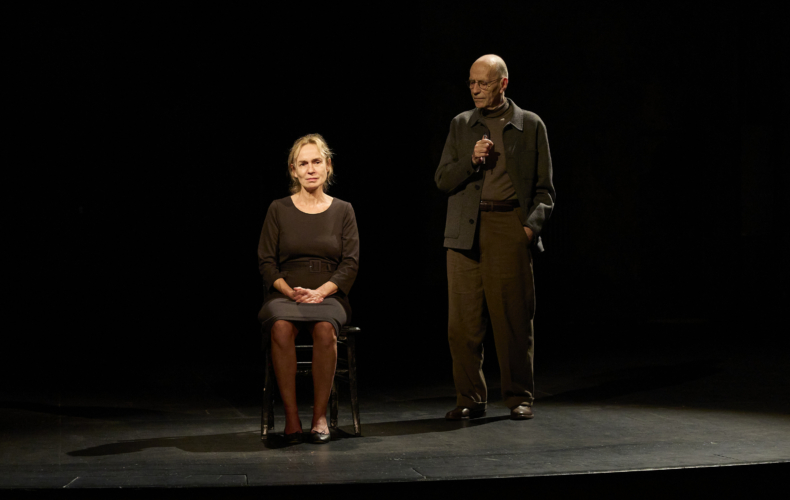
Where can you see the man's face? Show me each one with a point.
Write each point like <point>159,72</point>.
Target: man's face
<point>493,97</point>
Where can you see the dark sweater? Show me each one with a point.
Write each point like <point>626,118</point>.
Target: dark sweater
<point>291,239</point>
<point>497,185</point>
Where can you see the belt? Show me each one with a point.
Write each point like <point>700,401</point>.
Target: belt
<point>313,265</point>
<point>498,206</point>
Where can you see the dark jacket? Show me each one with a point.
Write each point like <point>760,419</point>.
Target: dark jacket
<point>528,165</point>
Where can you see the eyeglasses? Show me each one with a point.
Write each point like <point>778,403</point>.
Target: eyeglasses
<point>483,85</point>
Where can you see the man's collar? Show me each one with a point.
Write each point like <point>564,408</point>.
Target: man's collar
<point>517,119</point>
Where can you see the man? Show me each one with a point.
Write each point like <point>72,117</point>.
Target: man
<point>496,169</point>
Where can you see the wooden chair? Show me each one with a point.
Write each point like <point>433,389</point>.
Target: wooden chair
<point>346,370</point>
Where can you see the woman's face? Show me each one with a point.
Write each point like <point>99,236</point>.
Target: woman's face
<point>310,168</point>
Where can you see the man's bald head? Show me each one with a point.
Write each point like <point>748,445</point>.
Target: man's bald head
<point>487,81</point>
<point>496,65</point>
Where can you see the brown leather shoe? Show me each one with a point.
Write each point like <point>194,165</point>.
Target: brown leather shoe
<point>462,412</point>
<point>521,412</point>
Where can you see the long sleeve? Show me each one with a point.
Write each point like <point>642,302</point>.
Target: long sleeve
<point>543,200</point>
<point>268,245</point>
<point>455,166</point>
<point>346,271</point>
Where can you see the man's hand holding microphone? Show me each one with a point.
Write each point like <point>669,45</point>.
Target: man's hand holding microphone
<point>482,149</point>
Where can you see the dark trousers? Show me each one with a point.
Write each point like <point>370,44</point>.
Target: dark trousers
<point>496,274</point>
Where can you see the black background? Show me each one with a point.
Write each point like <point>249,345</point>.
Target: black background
<point>146,144</point>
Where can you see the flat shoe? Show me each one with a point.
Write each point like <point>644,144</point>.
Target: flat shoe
<point>293,438</point>
<point>320,438</point>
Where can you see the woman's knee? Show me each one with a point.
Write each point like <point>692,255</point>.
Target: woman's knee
<point>283,332</point>
<point>324,335</point>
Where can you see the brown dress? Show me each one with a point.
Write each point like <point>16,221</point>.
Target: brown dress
<point>307,250</point>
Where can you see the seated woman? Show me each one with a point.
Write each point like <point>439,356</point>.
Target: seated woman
<point>308,256</point>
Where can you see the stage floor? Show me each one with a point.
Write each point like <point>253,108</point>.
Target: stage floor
<point>187,423</point>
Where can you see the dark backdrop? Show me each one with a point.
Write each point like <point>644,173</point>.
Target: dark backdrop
<point>146,146</point>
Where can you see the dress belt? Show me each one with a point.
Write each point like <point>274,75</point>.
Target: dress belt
<point>313,265</point>
<point>498,206</point>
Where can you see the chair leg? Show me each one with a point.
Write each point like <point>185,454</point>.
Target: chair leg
<point>267,415</point>
<point>352,384</point>
<point>271,409</point>
<point>333,406</point>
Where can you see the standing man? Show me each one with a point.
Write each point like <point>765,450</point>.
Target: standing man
<point>496,169</point>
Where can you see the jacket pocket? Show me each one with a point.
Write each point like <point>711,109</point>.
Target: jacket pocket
<point>452,227</point>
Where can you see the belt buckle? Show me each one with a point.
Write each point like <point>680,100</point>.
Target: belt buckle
<point>315,266</point>
<point>486,206</point>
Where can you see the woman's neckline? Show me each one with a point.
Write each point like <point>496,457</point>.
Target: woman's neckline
<point>331,201</point>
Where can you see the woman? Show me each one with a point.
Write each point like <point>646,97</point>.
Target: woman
<point>308,256</point>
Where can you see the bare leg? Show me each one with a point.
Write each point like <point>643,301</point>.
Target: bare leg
<point>324,363</point>
<point>284,360</point>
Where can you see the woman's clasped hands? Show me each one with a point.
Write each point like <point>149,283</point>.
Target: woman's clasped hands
<point>307,296</point>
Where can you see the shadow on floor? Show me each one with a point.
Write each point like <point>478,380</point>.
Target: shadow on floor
<point>424,426</point>
<point>237,442</point>
<point>249,442</point>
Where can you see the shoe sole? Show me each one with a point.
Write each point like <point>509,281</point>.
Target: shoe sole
<point>522,417</point>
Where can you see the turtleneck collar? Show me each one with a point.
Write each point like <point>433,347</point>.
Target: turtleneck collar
<point>496,113</point>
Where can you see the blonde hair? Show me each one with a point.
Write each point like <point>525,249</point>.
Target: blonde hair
<point>326,153</point>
